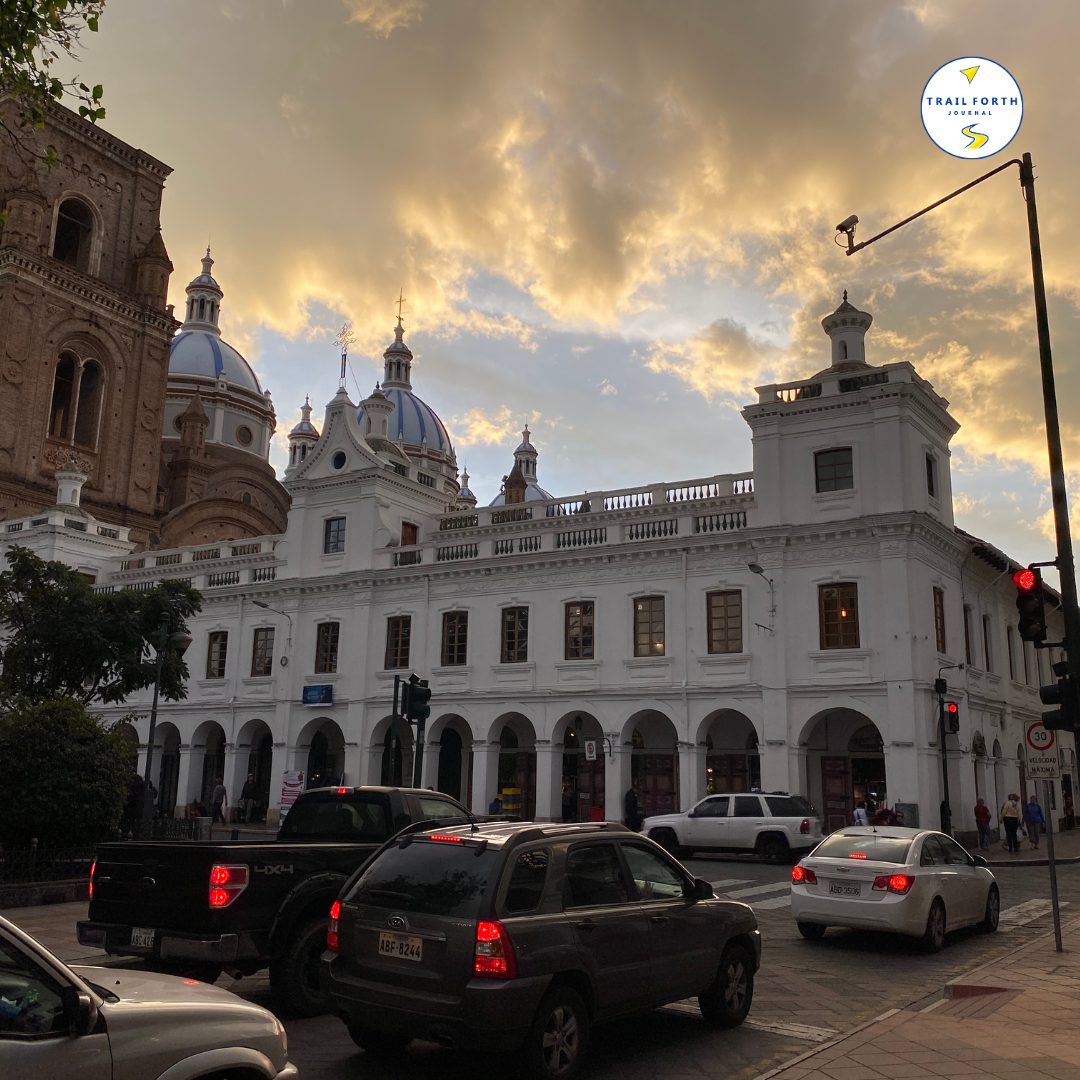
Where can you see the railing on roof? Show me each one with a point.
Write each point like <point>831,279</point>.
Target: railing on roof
<point>226,577</point>
<point>798,392</point>
<point>457,551</point>
<point>205,553</point>
<point>170,559</point>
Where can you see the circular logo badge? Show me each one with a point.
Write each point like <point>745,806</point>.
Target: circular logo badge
<point>972,107</point>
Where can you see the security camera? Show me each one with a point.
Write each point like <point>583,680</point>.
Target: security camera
<point>847,224</point>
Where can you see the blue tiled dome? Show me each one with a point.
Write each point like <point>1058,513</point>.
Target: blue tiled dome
<point>201,352</point>
<point>413,421</point>
<point>533,492</point>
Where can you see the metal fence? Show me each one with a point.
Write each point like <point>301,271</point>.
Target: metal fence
<point>45,864</point>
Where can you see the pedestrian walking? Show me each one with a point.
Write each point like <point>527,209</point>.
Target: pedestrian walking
<point>495,807</point>
<point>218,798</point>
<point>248,798</point>
<point>860,816</point>
<point>632,810</point>
<point>1010,818</point>
<point>982,820</point>
<point>1033,820</point>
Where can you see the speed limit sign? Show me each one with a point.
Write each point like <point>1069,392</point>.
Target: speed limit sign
<point>1042,754</point>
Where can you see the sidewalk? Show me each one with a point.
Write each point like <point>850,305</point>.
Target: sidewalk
<point>1013,1019</point>
<point>54,926</point>
<point>1066,850</point>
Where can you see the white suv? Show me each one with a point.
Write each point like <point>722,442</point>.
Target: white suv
<point>774,824</point>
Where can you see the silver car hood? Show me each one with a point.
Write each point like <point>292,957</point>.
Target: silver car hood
<point>161,1019</point>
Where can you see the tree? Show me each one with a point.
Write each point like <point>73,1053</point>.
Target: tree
<point>65,775</point>
<point>34,34</point>
<point>61,639</point>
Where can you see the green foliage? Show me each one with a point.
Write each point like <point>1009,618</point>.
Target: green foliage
<point>34,34</point>
<point>61,639</point>
<point>65,775</point>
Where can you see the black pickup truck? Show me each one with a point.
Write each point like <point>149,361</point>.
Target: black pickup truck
<point>200,908</point>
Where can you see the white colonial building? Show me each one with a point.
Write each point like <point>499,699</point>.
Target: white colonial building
<point>780,629</point>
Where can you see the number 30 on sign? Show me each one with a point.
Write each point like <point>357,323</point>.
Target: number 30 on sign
<point>1038,737</point>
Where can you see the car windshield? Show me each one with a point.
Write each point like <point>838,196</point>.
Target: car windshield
<point>429,877</point>
<point>870,846</point>
<point>789,806</point>
<point>337,818</point>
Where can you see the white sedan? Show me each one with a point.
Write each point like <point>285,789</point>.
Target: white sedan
<point>88,1023</point>
<point>909,881</point>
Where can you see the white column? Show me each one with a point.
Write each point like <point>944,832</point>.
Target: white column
<point>371,763</point>
<point>548,780</point>
<point>278,765</point>
<point>354,752</point>
<point>691,774</point>
<point>429,769</point>
<point>774,758</point>
<point>616,779</point>
<point>236,768</point>
<point>184,778</point>
<point>485,775</point>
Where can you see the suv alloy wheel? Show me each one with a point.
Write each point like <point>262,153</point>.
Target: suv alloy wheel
<point>727,1002</point>
<point>560,1035</point>
<point>773,848</point>
<point>294,976</point>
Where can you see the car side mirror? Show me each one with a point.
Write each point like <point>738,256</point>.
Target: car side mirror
<point>979,860</point>
<point>79,1011</point>
<point>699,890</point>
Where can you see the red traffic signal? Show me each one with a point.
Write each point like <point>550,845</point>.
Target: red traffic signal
<point>1025,579</point>
<point>952,717</point>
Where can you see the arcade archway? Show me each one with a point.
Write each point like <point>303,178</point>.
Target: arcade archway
<point>654,762</point>
<point>583,777</point>
<point>516,785</point>
<point>845,766</point>
<point>732,763</point>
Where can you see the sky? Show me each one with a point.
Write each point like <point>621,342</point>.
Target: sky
<point>613,220</point>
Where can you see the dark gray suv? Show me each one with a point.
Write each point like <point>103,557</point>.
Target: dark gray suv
<point>501,936</point>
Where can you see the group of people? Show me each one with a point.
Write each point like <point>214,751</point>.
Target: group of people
<point>219,800</point>
<point>865,815</point>
<point>1015,819</point>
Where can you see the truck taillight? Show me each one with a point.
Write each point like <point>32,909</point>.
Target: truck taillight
<point>93,871</point>
<point>494,957</point>
<point>226,884</point>
<point>332,925</point>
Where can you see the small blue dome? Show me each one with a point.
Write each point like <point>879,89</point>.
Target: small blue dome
<point>533,493</point>
<point>199,352</point>
<point>412,421</point>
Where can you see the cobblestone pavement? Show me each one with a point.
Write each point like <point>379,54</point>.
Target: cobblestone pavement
<point>806,992</point>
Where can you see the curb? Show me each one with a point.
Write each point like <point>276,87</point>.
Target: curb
<point>962,980</point>
<point>1033,862</point>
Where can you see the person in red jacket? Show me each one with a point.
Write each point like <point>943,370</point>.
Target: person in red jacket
<point>982,820</point>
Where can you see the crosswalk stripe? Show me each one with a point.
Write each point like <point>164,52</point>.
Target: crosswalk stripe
<point>739,893</point>
<point>772,902</point>
<point>1029,911</point>
<point>775,1027</point>
<point>730,881</point>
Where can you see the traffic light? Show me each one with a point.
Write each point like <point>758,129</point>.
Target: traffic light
<point>1064,694</point>
<point>1030,604</point>
<point>415,697</point>
<point>952,717</point>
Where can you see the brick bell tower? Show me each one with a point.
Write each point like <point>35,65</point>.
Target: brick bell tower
<point>84,327</point>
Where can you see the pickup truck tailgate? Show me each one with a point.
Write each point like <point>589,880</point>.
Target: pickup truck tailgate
<point>150,884</point>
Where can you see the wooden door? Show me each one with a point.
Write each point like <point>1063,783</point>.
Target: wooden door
<point>836,792</point>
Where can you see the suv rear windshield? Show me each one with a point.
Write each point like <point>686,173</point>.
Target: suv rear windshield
<point>789,806</point>
<point>337,818</point>
<point>891,849</point>
<point>429,877</point>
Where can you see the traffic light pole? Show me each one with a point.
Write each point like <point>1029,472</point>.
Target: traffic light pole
<point>1049,818</point>
<point>946,808</point>
<point>418,757</point>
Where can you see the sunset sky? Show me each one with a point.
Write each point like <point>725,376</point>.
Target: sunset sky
<point>614,219</point>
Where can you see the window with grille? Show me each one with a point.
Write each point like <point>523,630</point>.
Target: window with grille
<point>931,476</point>
<point>216,648</point>
<point>986,644</point>
<point>838,616</point>
<point>649,626</point>
<point>333,535</point>
<point>515,635</point>
<point>398,632</point>
<point>724,612</point>
<point>455,638</point>
<point>579,631</point>
<point>969,652</point>
<point>262,652</point>
<point>939,619</point>
<point>833,469</point>
<point>326,647</point>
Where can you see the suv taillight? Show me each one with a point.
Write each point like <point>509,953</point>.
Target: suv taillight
<point>803,875</point>
<point>226,884</point>
<point>93,871</point>
<point>494,957</point>
<point>332,925</point>
<point>805,826</point>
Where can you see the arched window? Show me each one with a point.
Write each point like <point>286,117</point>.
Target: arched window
<point>202,307</point>
<point>191,309</point>
<point>74,229</point>
<point>63,385</point>
<point>86,412</point>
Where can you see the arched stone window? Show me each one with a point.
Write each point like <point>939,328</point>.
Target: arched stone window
<point>78,387</point>
<point>73,235</point>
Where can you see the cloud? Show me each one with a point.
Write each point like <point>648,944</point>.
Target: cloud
<point>607,389</point>
<point>383,17</point>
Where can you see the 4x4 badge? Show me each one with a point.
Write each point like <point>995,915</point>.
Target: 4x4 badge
<point>399,922</point>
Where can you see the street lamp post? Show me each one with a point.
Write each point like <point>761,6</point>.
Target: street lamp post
<point>1064,563</point>
<point>164,643</point>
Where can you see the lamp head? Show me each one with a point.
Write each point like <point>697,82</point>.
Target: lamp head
<point>259,603</point>
<point>755,569</point>
<point>179,642</point>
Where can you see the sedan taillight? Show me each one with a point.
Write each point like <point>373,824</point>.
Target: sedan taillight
<point>332,927</point>
<point>494,957</point>
<point>803,875</point>
<point>226,884</point>
<point>894,883</point>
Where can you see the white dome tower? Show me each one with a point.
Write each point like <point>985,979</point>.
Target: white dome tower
<point>204,300</point>
<point>847,327</point>
<point>303,438</point>
<point>465,497</point>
